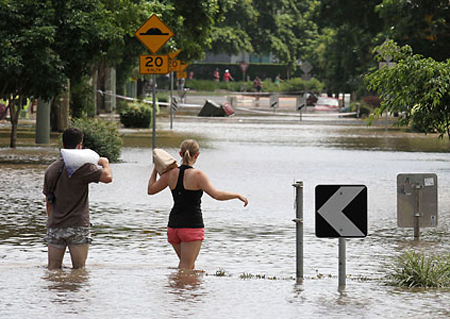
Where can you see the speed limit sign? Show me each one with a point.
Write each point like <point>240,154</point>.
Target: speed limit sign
<point>154,64</point>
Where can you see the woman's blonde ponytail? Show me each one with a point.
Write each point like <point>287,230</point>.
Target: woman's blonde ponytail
<point>189,148</point>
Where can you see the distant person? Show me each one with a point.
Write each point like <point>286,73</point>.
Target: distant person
<point>278,80</point>
<point>227,76</point>
<point>67,203</point>
<point>216,75</point>
<point>3,111</point>
<point>191,75</point>
<point>185,228</point>
<point>257,84</point>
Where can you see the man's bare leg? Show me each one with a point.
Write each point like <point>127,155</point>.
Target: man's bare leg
<point>78,254</point>
<point>55,257</point>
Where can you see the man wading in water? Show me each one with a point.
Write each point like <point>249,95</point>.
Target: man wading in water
<point>68,204</point>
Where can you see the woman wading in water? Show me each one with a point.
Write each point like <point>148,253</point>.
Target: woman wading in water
<point>185,230</point>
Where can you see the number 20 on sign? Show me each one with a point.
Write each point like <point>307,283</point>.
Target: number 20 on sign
<point>154,64</point>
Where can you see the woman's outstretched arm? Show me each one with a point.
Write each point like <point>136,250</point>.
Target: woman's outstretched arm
<point>205,185</point>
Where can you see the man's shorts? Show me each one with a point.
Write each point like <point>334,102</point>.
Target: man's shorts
<point>178,235</point>
<point>68,236</point>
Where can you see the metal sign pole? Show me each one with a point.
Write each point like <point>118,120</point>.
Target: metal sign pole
<point>299,229</point>
<point>418,188</point>
<point>171,99</point>
<point>154,112</point>
<point>342,262</point>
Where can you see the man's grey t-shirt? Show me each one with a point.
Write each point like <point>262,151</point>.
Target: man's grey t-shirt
<point>71,206</point>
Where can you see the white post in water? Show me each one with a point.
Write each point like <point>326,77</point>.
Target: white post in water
<point>299,229</point>
<point>342,262</point>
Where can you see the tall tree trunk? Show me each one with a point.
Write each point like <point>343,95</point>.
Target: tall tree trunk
<point>42,135</point>
<point>101,86</point>
<point>60,110</point>
<point>94,83</point>
<point>15,105</point>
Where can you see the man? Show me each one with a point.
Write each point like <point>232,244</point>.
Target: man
<point>68,205</point>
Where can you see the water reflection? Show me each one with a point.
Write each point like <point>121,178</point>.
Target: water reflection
<point>63,281</point>
<point>185,279</point>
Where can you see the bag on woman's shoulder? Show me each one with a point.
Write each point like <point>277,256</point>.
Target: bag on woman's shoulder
<point>163,161</point>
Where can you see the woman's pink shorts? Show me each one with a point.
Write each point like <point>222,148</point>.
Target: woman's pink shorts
<point>178,235</point>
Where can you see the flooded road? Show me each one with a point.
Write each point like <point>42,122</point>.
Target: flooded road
<point>248,256</point>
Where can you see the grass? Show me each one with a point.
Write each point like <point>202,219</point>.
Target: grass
<point>416,269</point>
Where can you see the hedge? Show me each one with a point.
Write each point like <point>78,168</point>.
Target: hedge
<point>204,71</point>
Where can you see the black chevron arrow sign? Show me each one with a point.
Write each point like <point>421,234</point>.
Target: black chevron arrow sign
<point>341,211</point>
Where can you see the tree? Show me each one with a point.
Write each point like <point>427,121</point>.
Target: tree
<point>230,35</point>
<point>349,29</point>
<point>45,43</point>
<point>29,65</point>
<point>281,27</point>
<point>416,87</point>
<point>422,24</point>
<point>87,33</point>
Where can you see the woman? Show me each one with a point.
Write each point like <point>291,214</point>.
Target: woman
<point>185,229</point>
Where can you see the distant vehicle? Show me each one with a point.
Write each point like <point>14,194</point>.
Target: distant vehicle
<point>327,104</point>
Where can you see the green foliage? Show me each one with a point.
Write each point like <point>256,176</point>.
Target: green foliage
<point>204,71</point>
<point>300,85</point>
<point>137,114</point>
<point>162,97</point>
<point>415,269</point>
<point>211,86</point>
<point>365,110</point>
<point>81,99</point>
<point>281,27</point>
<point>29,63</point>
<point>421,24</point>
<point>342,52</point>
<point>100,136</point>
<point>416,87</point>
<point>372,100</point>
<point>294,85</point>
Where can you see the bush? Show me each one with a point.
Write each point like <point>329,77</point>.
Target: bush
<point>204,71</point>
<point>162,97</point>
<point>211,86</point>
<point>415,269</point>
<point>372,100</point>
<point>364,110</point>
<point>294,85</point>
<point>81,99</point>
<point>100,136</point>
<point>137,114</point>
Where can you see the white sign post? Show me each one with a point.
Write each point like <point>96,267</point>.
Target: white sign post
<point>274,101</point>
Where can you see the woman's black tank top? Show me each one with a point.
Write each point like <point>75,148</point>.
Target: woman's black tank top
<point>186,211</point>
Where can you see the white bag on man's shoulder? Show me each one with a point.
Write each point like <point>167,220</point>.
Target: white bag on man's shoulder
<point>75,158</point>
<point>163,161</point>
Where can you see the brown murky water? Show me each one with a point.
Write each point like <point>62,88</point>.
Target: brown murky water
<point>130,270</point>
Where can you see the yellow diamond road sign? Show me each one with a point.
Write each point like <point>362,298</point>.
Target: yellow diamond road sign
<point>154,34</point>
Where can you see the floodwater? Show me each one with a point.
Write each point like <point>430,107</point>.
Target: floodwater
<point>248,257</point>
